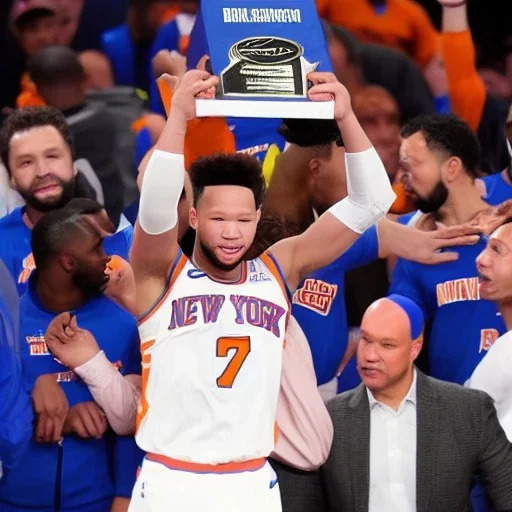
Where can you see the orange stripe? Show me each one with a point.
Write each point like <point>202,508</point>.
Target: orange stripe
<point>230,467</point>
<point>146,368</point>
<point>172,279</point>
<point>269,262</point>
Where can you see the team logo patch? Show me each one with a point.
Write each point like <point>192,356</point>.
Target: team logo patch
<point>195,273</point>
<point>316,295</point>
<point>487,338</point>
<point>37,344</point>
<point>257,274</point>
<point>28,265</point>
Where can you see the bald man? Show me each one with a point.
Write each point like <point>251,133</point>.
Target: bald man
<point>404,441</point>
<point>493,374</point>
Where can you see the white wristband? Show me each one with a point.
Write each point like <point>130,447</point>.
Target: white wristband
<point>160,192</point>
<point>370,194</point>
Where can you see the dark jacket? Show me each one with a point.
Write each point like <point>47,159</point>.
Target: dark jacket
<point>458,434</point>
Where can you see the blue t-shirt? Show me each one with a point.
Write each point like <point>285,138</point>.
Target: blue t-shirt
<point>463,326</point>
<point>90,472</point>
<point>498,190</point>
<point>319,307</point>
<point>16,253</point>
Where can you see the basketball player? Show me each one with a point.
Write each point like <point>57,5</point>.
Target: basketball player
<point>212,326</point>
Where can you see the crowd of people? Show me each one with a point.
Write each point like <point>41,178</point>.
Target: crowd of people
<point>210,314</point>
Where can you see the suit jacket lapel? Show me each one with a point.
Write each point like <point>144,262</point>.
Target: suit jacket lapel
<point>427,425</point>
<point>360,448</point>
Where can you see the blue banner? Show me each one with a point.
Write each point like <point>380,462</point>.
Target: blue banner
<point>260,49</point>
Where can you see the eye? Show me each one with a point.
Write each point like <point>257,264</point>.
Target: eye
<point>53,156</point>
<point>244,220</point>
<point>25,163</point>
<point>388,345</point>
<point>218,219</point>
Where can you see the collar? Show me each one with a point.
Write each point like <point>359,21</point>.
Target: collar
<point>410,397</point>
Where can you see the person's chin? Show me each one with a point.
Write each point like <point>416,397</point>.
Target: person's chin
<point>373,379</point>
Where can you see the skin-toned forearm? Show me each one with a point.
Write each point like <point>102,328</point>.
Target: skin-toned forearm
<point>455,19</point>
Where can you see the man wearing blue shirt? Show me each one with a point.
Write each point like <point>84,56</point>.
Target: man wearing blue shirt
<point>440,159</point>
<point>37,149</point>
<point>307,180</point>
<point>86,468</point>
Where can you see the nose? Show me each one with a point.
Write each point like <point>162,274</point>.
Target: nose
<point>230,231</point>
<point>370,353</point>
<point>482,260</point>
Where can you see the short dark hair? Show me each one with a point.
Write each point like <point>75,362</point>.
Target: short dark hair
<point>59,227</point>
<point>228,169</point>
<point>35,117</point>
<point>55,65</point>
<point>311,132</point>
<point>449,135</point>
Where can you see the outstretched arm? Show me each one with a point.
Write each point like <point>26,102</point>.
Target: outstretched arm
<point>369,194</point>
<point>155,241</point>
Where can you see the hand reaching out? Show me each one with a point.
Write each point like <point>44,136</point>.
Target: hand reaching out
<point>69,343</point>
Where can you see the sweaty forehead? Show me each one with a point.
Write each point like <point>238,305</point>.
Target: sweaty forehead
<point>386,320</point>
<point>504,235</point>
<point>229,198</point>
<point>36,139</point>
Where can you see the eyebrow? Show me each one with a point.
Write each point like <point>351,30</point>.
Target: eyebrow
<point>27,155</point>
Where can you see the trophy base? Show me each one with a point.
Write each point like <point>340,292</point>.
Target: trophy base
<point>265,109</point>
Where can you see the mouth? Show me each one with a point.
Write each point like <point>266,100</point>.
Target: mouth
<point>483,282</point>
<point>231,250</point>
<point>46,188</point>
<point>368,371</point>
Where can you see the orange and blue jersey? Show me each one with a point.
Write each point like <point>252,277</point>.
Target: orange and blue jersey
<point>76,474</point>
<point>319,307</point>
<point>16,253</point>
<point>464,327</point>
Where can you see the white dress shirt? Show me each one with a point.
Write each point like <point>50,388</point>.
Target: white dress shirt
<point>493,376</point>
<point>393,454</point>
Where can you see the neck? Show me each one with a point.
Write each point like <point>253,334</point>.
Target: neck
<point>203,263</point>
<point>56,294</point>
<point>394,395</point>
<point>505,308</point>
<point>31,216</point>
<point>462,205</point>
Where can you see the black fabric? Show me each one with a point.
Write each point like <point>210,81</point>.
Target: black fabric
<point>491,134</point>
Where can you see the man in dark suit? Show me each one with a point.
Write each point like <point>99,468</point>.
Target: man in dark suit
<point>404,441</point>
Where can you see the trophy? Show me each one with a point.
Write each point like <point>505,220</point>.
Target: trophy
<point>263,53</point>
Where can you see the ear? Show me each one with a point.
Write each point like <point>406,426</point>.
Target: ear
<point>258,215</point>
<point>192,218</point>
<point>75,170</point>
<point>453,168</point>
<point>67,262</point>
<point>417,344</point>
<point>13,183</point>
<point>314,167</point>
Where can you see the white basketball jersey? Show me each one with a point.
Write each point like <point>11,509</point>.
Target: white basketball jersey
<point>212,356</point>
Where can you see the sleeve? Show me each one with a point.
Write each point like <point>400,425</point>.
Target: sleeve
<point>16,415</point>
<point>495,461</point>
<point>426,36</point>
<point>492,374</point>
<point>364,250</point>
<point>404,283</point>
<point>127,459</point>
<point>305,430</point>
<point>167,38</point>
<point>115,394</point>
<point>466,88</point>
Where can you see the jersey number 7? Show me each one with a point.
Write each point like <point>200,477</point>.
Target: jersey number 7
<point>242,347</point>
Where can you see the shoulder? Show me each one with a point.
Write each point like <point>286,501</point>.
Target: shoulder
<point>12,220</point>
<point>341,403</point>
<point>457,396</point>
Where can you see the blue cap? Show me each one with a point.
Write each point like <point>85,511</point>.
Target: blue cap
<point>413,312</point>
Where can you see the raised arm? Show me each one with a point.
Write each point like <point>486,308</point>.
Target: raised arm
<point>466,88</point>
<point>369,194</point>
<point>155,242</point>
